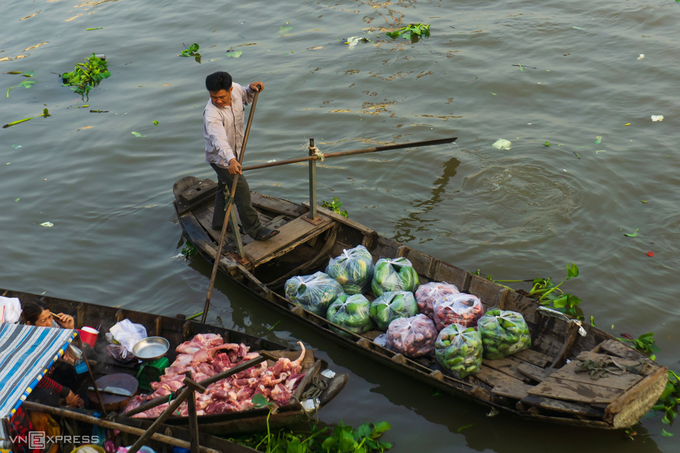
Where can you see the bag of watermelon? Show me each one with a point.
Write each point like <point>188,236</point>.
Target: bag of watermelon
<point>429,293</point>
<point>459,350</point>
<point>463,309</point>
<point>353,269</point>
<point>394,275</point>
<point>412,337</point>
<point>392,305</point>
<point>350,312</point>
<point>503,333</point>
<point>313,292</point>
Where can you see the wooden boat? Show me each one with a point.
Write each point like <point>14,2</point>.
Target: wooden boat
<point>538,384</point>
<point>318,380</point>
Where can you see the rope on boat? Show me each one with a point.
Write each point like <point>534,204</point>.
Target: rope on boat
<point>315,152</point>
<point>559,315</point>
<point>315,390</point>
<point>601,368</point>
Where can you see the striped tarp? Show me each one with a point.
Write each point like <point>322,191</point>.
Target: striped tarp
<point>26,353</point>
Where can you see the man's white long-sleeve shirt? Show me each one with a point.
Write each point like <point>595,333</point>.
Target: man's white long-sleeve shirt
<point>223,127</point>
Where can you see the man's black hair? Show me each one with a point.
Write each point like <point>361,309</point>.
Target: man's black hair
<point>217,81</point>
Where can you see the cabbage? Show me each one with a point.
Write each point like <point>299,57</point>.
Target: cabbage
<point>353,269</point>
<point>313,292</point>
<point>459,350</point>
<point>392,305</point>
<point>394,275</point>
<point>503,333</point>
<point>350,312</point>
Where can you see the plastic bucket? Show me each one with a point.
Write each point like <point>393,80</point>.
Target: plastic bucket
<point>88,335</point>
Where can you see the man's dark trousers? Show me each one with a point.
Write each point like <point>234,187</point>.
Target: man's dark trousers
<point>246,212</point>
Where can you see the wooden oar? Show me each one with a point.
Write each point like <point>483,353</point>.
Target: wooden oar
<point>374,149</point>
<point>226,216</point>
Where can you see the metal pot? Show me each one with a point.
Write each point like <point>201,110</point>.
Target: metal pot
<point>151,348</point>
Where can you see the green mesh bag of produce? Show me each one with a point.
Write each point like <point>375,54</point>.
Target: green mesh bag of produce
<point>313,292</point>
<point>392,305</point>
<point>350,312</point>
<point>459,350</point>
<point>503,333</point>
<point>353,269</point>
<point>394,275</point>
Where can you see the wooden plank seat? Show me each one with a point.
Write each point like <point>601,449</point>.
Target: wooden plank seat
<point>290,235</point>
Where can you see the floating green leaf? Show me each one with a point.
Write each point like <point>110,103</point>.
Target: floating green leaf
<point>86,76</point>
<point>97,28</point>
<point>546,144</point>
<point>190,51</point>
<point>663,431</point>
<point>284,29</point>
<point>598,140</point>
<point>137,134</point>
<point>234,53</point>
<point>17,199</point>
<point>155,123</point>
<point>45,113</point>
<point>633,234</point>
<point>411,31</point>
<point>464,427</point>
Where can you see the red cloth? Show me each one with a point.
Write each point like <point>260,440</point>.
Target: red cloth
<point>19,425</point>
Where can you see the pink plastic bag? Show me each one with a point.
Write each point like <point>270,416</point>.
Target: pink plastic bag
<point>432,292</point>
<point>463,309</point>
<point>412,337</point>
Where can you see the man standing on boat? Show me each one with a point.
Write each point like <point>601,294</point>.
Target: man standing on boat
<point>223,132</point>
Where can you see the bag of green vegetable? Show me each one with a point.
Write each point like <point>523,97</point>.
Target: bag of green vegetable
<point>313,292</point>
<point>463,309</point>
<point>459,350</point>
<point>411,337</point>
<point>350,312</point>
<point>394,275</point>
<point>353,269</point>
<point>503,333</point>
<point>392,305</point>
<point>429,293</point>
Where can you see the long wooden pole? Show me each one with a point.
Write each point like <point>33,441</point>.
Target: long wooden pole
<point>110,425</point>
<point>374,149</point>
<point>228,213</point>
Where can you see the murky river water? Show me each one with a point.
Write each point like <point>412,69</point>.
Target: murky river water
<point>533,73</point>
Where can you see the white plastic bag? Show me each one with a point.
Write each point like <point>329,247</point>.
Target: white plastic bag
<point>128,334</point>
<point>10,310</point>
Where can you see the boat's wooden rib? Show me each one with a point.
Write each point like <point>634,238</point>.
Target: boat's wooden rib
<point>539,383</point>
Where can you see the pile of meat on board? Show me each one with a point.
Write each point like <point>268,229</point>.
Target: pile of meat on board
<point>206,355</point>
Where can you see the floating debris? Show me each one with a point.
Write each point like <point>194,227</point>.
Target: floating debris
<point>502,144</point>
